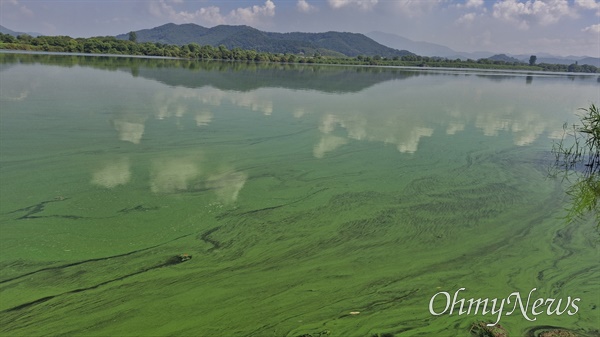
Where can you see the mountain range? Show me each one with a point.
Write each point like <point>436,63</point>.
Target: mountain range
<point>327,44</point>
<point>5,30</point>
<point>431,49</point>
<point>245,37</point>
<point>418,47</point>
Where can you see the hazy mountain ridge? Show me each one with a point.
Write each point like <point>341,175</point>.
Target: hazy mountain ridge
<point>504,58</point>
<point>5,30</point>
<point>431,49</point>
<point>418,47</point>
<point>245,37</point>
<point>593,61</point>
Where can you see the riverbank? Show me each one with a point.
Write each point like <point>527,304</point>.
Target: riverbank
<point>110,45</point>
<point>187,63</point>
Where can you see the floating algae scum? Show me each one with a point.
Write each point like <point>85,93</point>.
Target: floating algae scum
<point>313,200</point>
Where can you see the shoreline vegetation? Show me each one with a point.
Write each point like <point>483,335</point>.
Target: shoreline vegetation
<point>110,45</point>
<point>578,162</point>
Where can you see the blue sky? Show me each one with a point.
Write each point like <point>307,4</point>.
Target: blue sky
<point>561,27</point>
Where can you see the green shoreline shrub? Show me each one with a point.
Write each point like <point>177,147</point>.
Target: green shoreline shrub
<point>577,156</point>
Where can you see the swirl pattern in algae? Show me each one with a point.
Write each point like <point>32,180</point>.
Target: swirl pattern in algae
<point>308,210</point>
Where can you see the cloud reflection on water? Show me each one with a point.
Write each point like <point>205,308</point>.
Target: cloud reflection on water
<point>169,175</point>
<point>203,118</point>
<point>227,185</point>
<point>175,175</point>
<point>341,105</point>
<point>388,112</point>
<point>113,174</point>
<point>328,143</point>
<point>363,126</point>
<point>129,131</point>
<point>181,174</point>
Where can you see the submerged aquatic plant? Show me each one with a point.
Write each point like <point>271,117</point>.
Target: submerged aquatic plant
<point>557,333</point>
<point>578,158</point>
<point>482,329</point>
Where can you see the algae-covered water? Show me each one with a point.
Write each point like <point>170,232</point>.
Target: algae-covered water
<point>313,200</point>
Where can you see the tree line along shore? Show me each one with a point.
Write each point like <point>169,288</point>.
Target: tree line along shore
<point>112,45</point>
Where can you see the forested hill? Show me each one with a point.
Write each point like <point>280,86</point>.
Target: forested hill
<point>248,38</point>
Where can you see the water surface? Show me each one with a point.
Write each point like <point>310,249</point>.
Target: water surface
<point>313,199</point>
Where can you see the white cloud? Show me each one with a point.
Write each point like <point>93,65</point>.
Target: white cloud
<point>415,7</point>
<point>305,7</point>
<point>471,4</point>
<point>212,14</point>
<point>362,4</point>
<point>474,3</point>
<point>589,4</point>
<point>592,29</point>
<point>544,12</point>
<point>205,14</point>
<point>251,14</point>
<point>466,19</point>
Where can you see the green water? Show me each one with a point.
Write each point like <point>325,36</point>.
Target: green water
<point>303,194</point>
